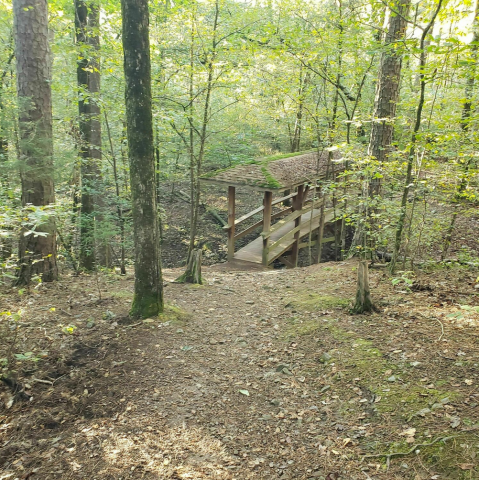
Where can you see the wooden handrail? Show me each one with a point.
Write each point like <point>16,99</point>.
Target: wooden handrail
<point>245,217</point>
<point>260,223</point>
<point>290,218</point>
<point>282,199</point>
<point>290,233</point>
<point>281,213</point>
<point>314,242</point>
<point>260,209</point>
<point>249,230</point>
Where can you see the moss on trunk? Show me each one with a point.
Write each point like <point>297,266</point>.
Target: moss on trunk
<point>146,305</point>
<point>148,295</point>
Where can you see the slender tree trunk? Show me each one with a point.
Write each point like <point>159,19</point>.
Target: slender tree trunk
<point>387,96</point>
<point>198,159</point>
<point>119,209</point>
<point>148,295</point>
<point>387,91</point>
<point>191,139</point>
<point>37,252</point>
<point>5,242</point>
<point>465,123</point>
<point>3,137</point>
<point>412,149</point>
<point>296,139</point>
<point>88,77</point>
<point>124,158</point>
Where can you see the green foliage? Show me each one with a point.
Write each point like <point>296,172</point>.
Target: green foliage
<point>281,72</point>
<point>404,280</point>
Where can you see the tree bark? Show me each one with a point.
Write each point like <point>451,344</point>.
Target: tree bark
<point>387,91</point>
<point>414,139</point>
<point>148,295</point>
<point>88,77</point>
<point>363,302</point>
<point>37,253</point>
<point>119,209</point>
<point>465,124</point>
<point>193,269</point>
<point>3,137</point>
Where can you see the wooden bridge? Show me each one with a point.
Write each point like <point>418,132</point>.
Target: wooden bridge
<point>282,232</point>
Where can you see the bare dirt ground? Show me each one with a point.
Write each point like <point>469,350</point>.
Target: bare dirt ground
<point>256,375</point>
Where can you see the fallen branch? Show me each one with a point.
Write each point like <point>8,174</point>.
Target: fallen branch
<point>38,380</point>
<point>442,329</point>
<point>215,215</point>
<point>440,323</point>
<point>184,196</point>
<point>403,454</point>
<point>135,324</point>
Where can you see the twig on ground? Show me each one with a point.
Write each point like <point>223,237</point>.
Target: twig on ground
<point>403,454</point>
<point>135,324</point>
<point>38,380</point>
<point>437,320</point>
<point>442,329</point>
<point>56,379</point>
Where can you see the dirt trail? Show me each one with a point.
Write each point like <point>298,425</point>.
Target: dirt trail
<point>265,376</point>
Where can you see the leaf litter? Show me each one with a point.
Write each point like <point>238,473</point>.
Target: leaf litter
<point>253,383</point>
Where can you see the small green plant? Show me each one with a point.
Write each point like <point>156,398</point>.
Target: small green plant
<point>108,315</point>
<point>465,309</point>
<point>404,280</point>
<point>11,323</point>
<point>69,329</point>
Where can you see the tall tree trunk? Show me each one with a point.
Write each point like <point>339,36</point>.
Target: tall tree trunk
<point>414,139</point>
<point>119,209</point>
<point>3,135</point>
<point>5,242</point>
<point>148,295</point>
<point>296,138</point>
<point>387,91</point>
<point>88,77</point>
<point>203,130</point>
<point>465,123</point>
<point>385,103</point>
<point>37,253</point>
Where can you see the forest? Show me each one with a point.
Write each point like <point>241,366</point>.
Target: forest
<point>239,239</point>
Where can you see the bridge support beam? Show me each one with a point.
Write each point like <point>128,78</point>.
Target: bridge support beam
<point>319,244</point>
<point>268,208</point>
<point>231,222</point>
<point>297,205</point>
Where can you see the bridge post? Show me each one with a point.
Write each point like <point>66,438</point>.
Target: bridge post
<point>268,208</point>
<point>297,205</point>
<point>231,222</point>
<point>319,242</point>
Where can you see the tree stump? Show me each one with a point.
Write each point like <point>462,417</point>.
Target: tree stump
<point>363,302</point>
<point>193,269</point>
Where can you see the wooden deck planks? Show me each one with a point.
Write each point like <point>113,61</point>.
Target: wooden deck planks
<point>253,251</point>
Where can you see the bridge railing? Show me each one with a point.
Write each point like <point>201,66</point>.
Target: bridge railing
<point>230,228</point>
<point>271,251</point>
